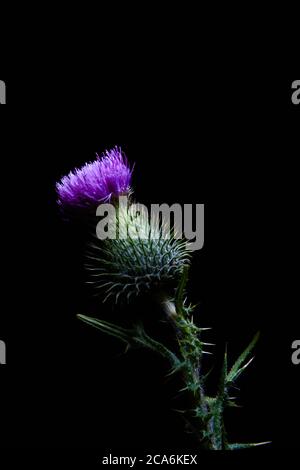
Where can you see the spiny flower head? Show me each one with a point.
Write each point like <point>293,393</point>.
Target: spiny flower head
<point>96,182</point>
<point>143,260</point>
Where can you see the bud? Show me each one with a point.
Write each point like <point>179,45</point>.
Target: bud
<point>143,260</point>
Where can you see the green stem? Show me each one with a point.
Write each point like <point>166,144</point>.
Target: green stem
<point>191,353</point>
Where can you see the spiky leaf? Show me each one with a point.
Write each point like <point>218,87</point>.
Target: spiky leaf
<point>239,366</point>
<point>135,337</point>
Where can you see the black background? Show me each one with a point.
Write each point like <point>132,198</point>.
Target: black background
<point>232,144</point>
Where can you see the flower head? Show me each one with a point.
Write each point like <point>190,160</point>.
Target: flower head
<point>143,261</point>
<point>99,181</point>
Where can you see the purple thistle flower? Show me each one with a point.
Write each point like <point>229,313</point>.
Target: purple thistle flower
<point>99,181</point>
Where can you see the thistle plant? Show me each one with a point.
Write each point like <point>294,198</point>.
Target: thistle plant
<point>141,259</point>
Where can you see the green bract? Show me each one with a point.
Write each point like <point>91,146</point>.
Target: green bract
<point>143,256</point>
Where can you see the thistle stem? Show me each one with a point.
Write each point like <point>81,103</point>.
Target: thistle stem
<point>191,354</point>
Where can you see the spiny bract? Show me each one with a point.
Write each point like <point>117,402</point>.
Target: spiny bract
<point>142,257</point>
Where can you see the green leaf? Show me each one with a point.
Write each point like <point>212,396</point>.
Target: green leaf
<point>135,337</point>
<point>239,366</point>
<point>142,339</point>
<point>109,328</point>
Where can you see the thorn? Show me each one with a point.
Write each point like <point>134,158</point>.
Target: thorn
<point>235,387</point>
<point>127,348</point>
<point>262,443</point>
<point>178,411</point>
<point>248,363</point>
